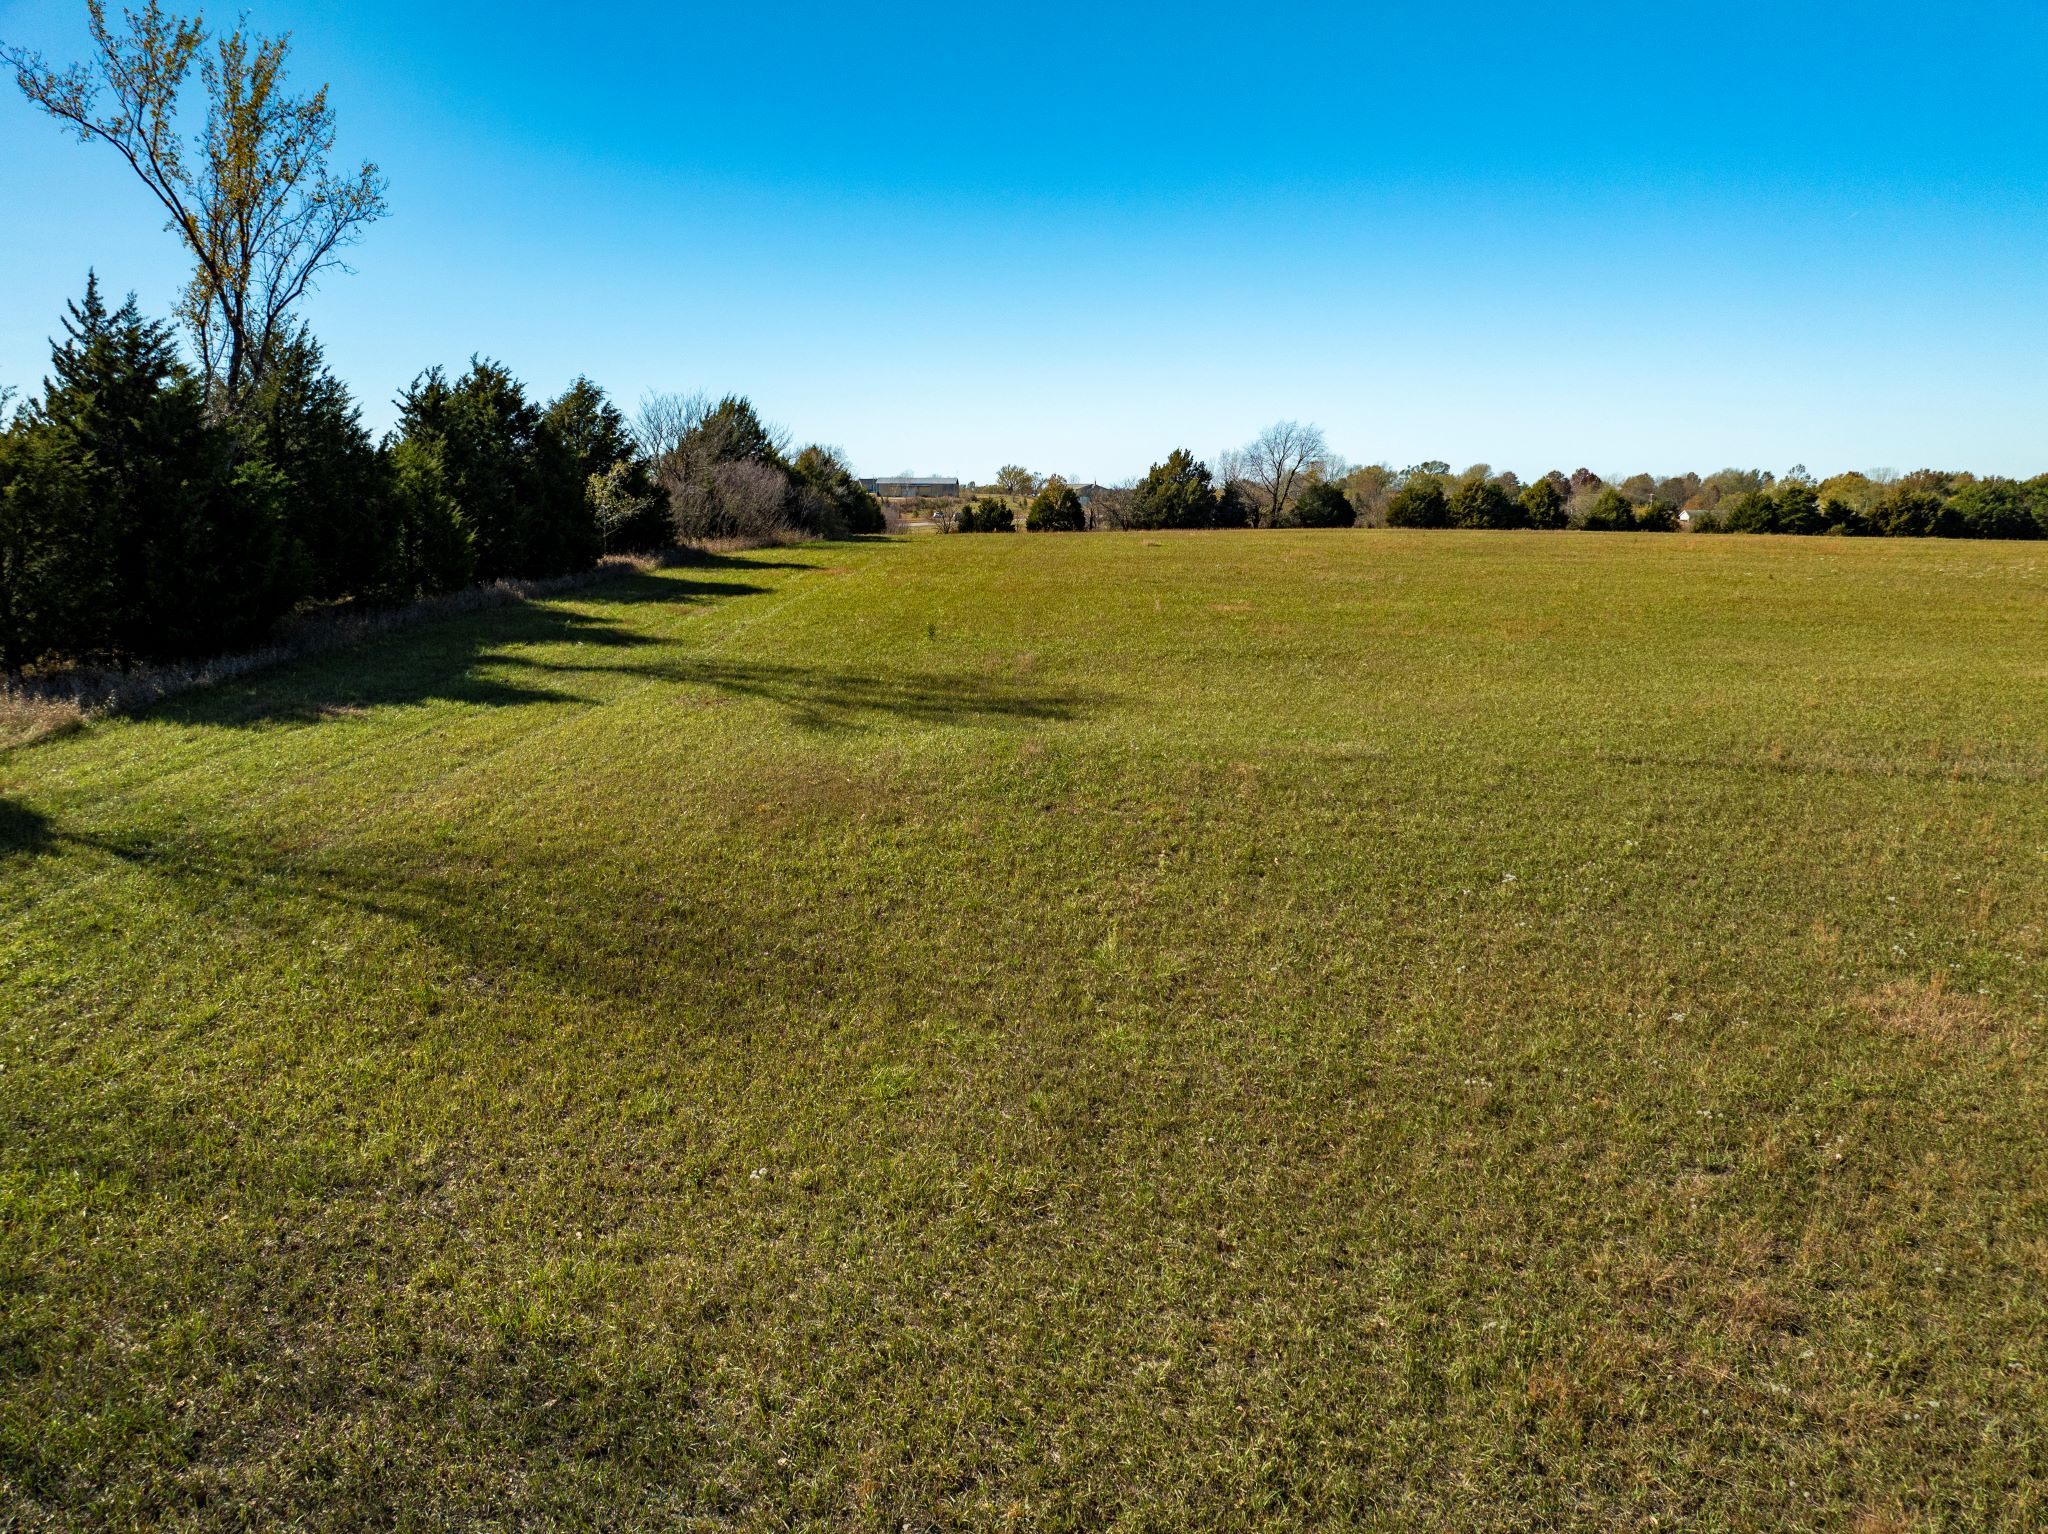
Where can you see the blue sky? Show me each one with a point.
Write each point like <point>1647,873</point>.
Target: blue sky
<point>1631,237</point>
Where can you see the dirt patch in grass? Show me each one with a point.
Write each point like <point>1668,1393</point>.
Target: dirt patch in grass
<point>1929,1010</point>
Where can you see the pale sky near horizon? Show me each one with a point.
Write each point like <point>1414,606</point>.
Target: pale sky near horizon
<point>1079,236</point>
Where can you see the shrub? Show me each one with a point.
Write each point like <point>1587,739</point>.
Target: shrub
<point>723,472</point>
<point>1323,504</point>
<point>985,514</point>
<point>1055,509</point>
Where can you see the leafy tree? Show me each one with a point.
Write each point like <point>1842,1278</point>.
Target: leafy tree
<point>1484,503</point>
<point>1677,490</point>
<point>1015,479</point>
<point>1730,484</point>
<point>1611,512</point>
<point>1420,502</point>
<point>1323,504</point>
<point>1543,503</point>
<point>252,197</point>
<point>1657,517</point>
<point>1055,509</point>
<point>1369,487</point>
<point>1173,494</point>
<point>1998,508</point>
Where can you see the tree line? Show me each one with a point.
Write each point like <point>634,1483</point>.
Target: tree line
<point>154,509</point>
<point>141,523</point>
<point>1288,477</point>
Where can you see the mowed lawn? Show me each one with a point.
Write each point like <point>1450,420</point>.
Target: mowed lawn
<point>1274,1030</point>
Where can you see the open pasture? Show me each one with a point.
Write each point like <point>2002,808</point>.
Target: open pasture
<point>1436,1031</point>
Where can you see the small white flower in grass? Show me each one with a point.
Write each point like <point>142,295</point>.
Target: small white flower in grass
<point>757,1174</point>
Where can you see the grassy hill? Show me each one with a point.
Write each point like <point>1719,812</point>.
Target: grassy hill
<point>1224,1030</point>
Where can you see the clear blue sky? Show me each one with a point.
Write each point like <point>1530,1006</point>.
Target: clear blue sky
<point>1076,236</point>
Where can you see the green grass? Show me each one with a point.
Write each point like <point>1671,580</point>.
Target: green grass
<point>1267,1030</point>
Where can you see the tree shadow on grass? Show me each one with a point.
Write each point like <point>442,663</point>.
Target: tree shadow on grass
<point>483,910</point>
<point>833,698</point>
<point>460,659</point>
<point>23,832</point>
<point>819,698</point>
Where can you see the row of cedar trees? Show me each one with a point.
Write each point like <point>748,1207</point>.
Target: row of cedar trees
<point>1182,493</point>
<point>136,526</point>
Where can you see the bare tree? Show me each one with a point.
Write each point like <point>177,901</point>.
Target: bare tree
<point>252,200</point>
<point>1275,461</point>
<point>667,422</point>
<point>1110,505</point>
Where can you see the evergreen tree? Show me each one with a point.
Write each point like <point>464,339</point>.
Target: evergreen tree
<point>186,552</point>
<point>837,503</point>
<point>594,432</point>
<point>985,514</point>
<point>1055,509</point>
<point>52,569</point>
<point>1323,504</point>
<point>1175,493</point>
<point>436,549</point>
<point>1543,504</point>
<point>337,506</point>
<point>510,472</point>
<point>1611,512</point>
<point>1233,506</point>
<point>1485,503</point>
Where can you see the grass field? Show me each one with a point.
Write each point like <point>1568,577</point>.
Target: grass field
<point>1410,1031</point>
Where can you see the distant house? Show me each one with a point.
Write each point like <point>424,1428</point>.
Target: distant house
<point>905,487</point>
